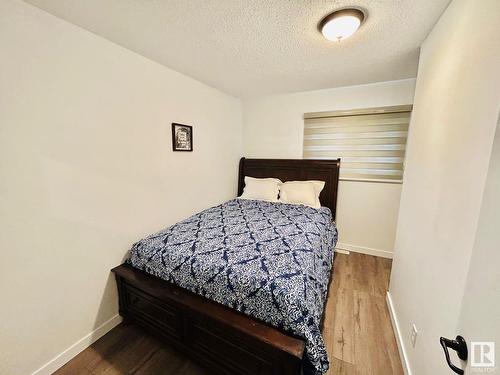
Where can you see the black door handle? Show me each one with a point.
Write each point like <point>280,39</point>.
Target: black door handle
<point>460,346</point>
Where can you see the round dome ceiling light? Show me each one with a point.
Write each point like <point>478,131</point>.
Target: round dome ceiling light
<point>341,24</point>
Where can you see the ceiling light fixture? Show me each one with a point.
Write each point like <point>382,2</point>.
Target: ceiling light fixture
<point>341,24</point>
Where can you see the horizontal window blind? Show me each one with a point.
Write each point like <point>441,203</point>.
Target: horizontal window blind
<point>371,143</point>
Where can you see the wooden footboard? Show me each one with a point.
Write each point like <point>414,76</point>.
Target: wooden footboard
<point>224,340</point>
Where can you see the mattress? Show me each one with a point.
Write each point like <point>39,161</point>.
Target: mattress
<point>270,261</point>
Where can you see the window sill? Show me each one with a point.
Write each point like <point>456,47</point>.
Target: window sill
<point>371,180</point>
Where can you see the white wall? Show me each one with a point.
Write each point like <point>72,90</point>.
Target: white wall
<point>480,312</point>
<point>455,111</point>
<point>274,126</point>
<point>86,169</point>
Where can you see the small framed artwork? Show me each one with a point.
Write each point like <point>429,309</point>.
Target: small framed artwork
<point>182,137</point>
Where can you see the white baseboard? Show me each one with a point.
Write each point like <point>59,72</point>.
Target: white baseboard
<point>341,251</point>
<point>61,359</point>
<point>399,337</point>
<point>364,250</point>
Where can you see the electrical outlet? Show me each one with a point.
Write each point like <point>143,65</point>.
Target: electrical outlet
<point>413,335</point>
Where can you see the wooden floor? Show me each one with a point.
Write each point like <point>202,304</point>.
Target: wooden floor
<point>357,332</point>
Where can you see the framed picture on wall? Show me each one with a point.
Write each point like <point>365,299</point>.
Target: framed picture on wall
<point>182,137</point>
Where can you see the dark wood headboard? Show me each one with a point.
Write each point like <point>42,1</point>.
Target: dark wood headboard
<point>296,170</point>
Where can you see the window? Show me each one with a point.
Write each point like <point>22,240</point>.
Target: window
<point>371,142</point>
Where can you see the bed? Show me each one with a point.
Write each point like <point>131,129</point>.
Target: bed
<point>241,286</point>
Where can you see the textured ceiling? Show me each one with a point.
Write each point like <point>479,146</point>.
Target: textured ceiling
<point>252,47</point>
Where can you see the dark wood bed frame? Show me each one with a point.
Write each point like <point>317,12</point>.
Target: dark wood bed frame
<point>222,339</point>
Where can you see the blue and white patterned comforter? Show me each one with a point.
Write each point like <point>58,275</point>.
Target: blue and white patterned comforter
<point>271,261</point>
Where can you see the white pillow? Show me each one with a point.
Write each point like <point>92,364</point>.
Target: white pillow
<point>265,189</point>
<point>302,192</point>
<point>318,188</point>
